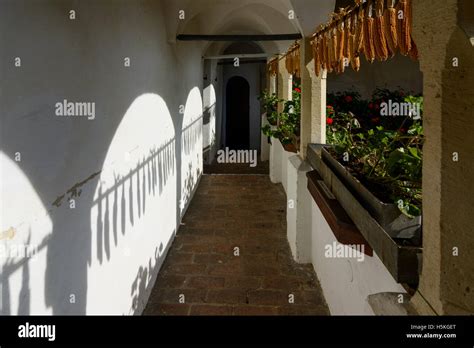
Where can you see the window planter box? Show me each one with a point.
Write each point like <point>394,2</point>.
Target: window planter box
<point>341,224</point>
<point>402,261</point>
<point>394,222</point>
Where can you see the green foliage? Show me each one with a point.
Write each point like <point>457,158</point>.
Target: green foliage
<point>390,161</point>
<point>287,122</point>
<point>270,106</point>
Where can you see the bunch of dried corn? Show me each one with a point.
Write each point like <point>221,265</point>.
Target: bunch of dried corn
<point>369,23</point>
<point>390,18</point>
<point>380,42</point>
<point>404,26</point>
<point>273,66</point>
<point>292,60</point>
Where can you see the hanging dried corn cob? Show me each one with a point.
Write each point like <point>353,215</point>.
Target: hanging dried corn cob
<point>288,63</point>
<point>390,18</point>
<point>359,32</point>
<point>404,26</point>
<point>324,50</point>
<point>352,41</point>
<point>341,66</point>
<point>316,57</point>
<point>347,33</point>
<point>334,58</point>
<point>292,61</point>
<point>369,49</point>
<point>273,66</point>
<point>329,51</point>
<point>413,54</point>
<point>330,55</point>
<point>355,58</point>
<point>380,43</point>
<point>297,61</point>
<point>340,38</point>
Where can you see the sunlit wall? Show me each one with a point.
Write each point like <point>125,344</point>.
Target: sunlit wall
<point>101,197</point>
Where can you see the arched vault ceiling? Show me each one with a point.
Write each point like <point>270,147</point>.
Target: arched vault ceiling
<point>224,17</point>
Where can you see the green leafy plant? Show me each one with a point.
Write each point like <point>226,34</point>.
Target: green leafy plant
<point>270,106</point>
<point>388,162</point>
<point>287,123</point>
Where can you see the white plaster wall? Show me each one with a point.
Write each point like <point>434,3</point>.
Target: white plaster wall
<point>298,212</point>
<point>101,257</point>
<point>398,72</point>
<point>285,155</point>
<point>264,144</point>
<point>346,283</point>
<point>210,111</point>
<point>275,161</point>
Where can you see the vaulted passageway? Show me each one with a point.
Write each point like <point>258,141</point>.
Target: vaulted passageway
<point>231,256</point>
<point>101,198</point>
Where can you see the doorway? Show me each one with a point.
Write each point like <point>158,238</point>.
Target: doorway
<point>238,114</point>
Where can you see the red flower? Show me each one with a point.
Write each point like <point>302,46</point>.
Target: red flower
<point>348,99</point>
<point>329,121</point>
<point>297,90</point>
<point>371,106</point>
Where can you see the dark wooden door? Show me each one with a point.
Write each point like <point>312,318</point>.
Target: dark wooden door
<point>238,113</point>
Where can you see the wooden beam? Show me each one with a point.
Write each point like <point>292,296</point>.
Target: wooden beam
<point>246,38</point>
<point>239,55</point>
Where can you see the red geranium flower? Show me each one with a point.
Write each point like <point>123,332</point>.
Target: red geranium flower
<point>297,90</point>
<point>329,121</point>
<point>348,99</point>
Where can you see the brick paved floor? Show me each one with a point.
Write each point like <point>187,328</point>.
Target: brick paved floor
<point>237,168</point>
<point>229,211</point>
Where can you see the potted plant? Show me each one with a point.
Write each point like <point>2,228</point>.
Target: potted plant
<point>270,107</point>
<point>287,127</point>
